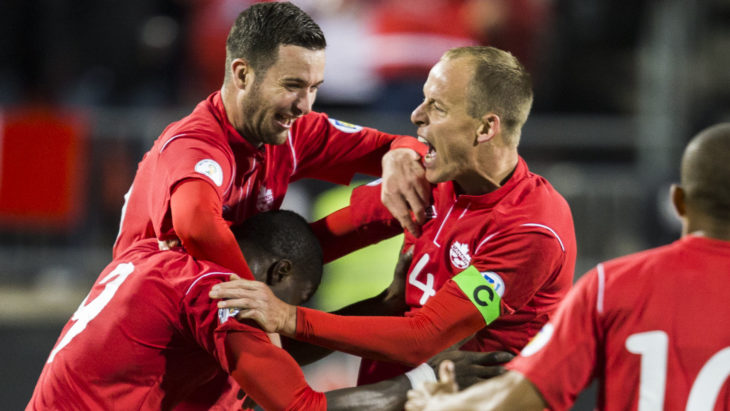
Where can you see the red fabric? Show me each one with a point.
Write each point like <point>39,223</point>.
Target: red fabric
<point>152,336</point>
<point>339,235</point>
<point>204,145</point>
<point>648,296</point>
<point>202,230</point>
<point>448,318</point>
<point>523,232</point>
<point>410,142</point>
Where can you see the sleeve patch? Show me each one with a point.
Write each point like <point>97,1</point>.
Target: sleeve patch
<point>538,341</point>
<point>344,126</point>
<point>484,290</point>
<point>211,169</point>
<point>225,314</point>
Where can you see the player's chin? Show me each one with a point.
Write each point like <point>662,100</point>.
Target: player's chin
<point>277,138</point>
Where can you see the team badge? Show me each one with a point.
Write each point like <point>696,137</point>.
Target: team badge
<point>225,314</point>
<point>265,199</point>
<point>495,281</point>
<point>210,169</point>
<point>539,341</point>
<point>344,126</point>
<point>459,254</point>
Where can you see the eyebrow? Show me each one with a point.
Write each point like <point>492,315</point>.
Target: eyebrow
<point>300,81</point>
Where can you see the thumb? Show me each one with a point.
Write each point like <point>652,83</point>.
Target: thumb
<point>446,372</point>
<point>234,277</point>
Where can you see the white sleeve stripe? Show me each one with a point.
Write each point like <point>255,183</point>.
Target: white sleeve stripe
<point>170,141</point>
<point>601,285</point>
<point>293,154</point>
<point>203,276</point>
<point>443,223</point>
<point>549,229</point>
<point>484,242</point>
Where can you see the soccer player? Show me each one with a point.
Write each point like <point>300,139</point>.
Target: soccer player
<point>237,152</point>
<point>497,254</point>
<point>649,325</point>
<point>148,335</point>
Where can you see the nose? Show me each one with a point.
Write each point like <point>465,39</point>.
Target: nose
<point>305,101</point>
<point>418,117</point>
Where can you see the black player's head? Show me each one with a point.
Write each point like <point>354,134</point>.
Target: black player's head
<point>283,252</point>
<point>262,28</point>
<point>705,180</point>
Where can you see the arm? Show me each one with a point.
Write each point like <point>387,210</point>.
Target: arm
<point>196,217</point>
<point>510,391</point>
<point>446,318</point>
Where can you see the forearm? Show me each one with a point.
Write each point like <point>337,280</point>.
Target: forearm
<point>406,340</point>
<point>510,391</point>
<point>340,235</point>
<point>197,220</point>
<point>386,395</point>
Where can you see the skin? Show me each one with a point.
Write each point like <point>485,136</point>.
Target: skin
<point>263,106</point>
<point>512,391</point>
<point>470,151</point>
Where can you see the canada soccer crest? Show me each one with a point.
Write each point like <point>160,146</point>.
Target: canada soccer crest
<point>459,254</point>
<point>265,200</point>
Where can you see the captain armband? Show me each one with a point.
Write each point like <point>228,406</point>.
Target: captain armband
<point>484,290</point>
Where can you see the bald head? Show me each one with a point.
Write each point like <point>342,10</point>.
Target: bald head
<point>706,173</point>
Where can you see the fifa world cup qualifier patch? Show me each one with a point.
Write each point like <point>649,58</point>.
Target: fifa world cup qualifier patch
<point>211,169</point>
<point>225,314</point>
<point>344,126</point>
<point>484,290</point>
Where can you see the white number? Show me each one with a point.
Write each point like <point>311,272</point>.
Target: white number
<point>427,287</point>
<point>87,312</point>
<point>653,347</point>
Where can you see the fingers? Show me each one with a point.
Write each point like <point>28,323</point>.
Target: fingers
<point>236,288</point>
<point>398,207</point>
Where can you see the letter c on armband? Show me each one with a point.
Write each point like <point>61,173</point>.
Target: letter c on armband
<point>489,291</point>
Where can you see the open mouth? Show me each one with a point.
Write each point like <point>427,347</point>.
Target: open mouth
<point>431,154</point>
<point>284,121</point>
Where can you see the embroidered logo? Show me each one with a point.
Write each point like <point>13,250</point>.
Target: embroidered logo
<point>224,314</point>
<point>345,126</point>
<point>211,169</point>
<point>265,200</point>
<point>459,254</point>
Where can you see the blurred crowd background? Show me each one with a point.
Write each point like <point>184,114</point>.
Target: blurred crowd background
<point>86,86</point>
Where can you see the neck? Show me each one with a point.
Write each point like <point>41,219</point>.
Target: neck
<point>703,226</point>
<point>493,166</point>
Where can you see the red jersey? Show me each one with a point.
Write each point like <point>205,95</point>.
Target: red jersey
<point>650,326</point>
<point>495,264</point>
<point>147,335</point>
<point>205,146</point>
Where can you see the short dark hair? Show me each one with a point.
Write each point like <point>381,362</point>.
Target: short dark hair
<point>261,28</point>
<point>500,84</point>
<point>283,234</point>
<point>706,172</point>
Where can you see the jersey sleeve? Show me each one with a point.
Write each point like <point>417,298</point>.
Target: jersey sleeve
<point>445,319</point>
<point>561,359</point>
<point>181,159</point>
<point>517,264</point>
<point>333,150</point>
<point>265,372</point>
<point>364,222</point>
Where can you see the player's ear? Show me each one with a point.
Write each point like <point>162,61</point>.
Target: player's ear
<point>279,271</point>
<point>489,126</point>
<point>242,73</point>
<point>678,199</point>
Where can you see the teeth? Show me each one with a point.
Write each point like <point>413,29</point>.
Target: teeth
<point>422,140</point>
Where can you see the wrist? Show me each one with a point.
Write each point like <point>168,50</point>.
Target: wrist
<point>289,328</point>
<point>420,375</point>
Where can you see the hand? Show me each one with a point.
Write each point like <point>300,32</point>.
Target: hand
<point>405,188</point>
<point>396,292</point>
<point>471,366</point>
<point>256,302</point>
<point>427,397</point>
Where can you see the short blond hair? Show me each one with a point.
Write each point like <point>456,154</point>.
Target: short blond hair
<point>500,84</point>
